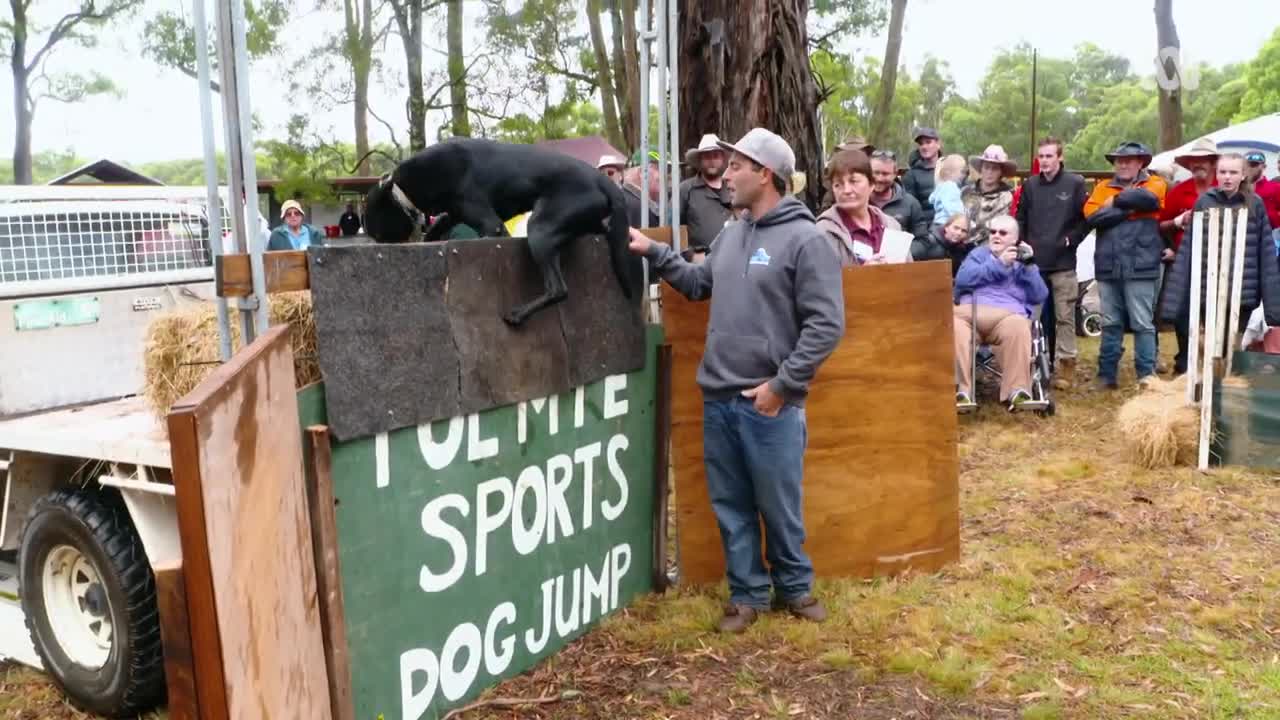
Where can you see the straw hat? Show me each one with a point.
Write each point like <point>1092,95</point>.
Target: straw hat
<point>994,154</point>
<point>611,161</point>
<point>1202,148</point>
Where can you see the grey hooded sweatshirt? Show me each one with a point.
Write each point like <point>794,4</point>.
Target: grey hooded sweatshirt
<point>778,308</point>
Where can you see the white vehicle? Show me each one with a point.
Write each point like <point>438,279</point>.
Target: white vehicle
<point>84,465</point>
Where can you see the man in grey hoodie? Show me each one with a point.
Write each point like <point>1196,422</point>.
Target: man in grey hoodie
<point>777,312</point>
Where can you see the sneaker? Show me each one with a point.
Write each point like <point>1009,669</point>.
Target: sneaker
<point>963,401</point>
<point>1018,398</point>
<point>805,607</point>
<point>1146,381</point>
<point>737,618</point>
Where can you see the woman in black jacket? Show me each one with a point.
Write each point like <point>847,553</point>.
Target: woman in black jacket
<point>1261,283</point>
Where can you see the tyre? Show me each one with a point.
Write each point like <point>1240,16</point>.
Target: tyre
<point>1092,324</point>
<point>90,603</point>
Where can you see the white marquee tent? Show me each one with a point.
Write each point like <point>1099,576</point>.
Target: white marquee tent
<point>1262,134</point>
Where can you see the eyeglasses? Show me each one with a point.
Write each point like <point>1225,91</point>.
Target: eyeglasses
<point>1001,233</point>
<point>883,155</point>
<point>291,213</point>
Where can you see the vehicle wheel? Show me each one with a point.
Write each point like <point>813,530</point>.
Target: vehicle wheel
<point>90,603</point>
<point>1092,325</point>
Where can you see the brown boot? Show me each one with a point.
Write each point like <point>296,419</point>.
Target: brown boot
<point>737,618</point>
<point>807,608</point>
<point>1066,374</point>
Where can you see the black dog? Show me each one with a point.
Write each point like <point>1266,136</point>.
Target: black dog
<point>480,182</point>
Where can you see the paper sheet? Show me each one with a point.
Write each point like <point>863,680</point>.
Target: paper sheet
<point>896,246</point>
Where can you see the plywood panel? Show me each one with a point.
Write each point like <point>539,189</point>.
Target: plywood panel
<point>175,638</point>
<point>246,540</point>
<point>881,490</point>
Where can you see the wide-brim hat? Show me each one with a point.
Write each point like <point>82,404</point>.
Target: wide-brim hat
<point>994,154</point>
<point>1130,149</point>
<point>856,142</point>
<point>708,143</point>
<point>611,161</point>
<point>1202,148</point>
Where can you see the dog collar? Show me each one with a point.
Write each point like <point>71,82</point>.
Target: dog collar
<point>416,216</point>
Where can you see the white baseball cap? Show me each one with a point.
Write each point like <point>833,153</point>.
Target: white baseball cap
<point>767,149</point>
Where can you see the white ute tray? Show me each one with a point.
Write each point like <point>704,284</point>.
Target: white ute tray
<point>122,431</point>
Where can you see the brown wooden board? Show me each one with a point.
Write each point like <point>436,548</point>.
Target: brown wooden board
<point>284,270</point>
<point>175,639</point>
<point>248,561</point>
<point>881,489</point>
<point>409,334</point>
<point>383,336</point>
<point>321,506</point>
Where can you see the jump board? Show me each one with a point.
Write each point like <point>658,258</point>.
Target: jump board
<point>408,334</point>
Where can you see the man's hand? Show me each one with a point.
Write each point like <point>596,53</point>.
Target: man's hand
<point>767,402</point>
<point>1066,241</point>
<point>1009,255</point>
<point>1167,254</point>
<point>640,243</point>
<point>1182,219</point>
<point>877,259</point>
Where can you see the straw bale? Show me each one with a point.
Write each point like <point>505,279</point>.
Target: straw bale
<point>181,347</point>
<point>1158,427</point>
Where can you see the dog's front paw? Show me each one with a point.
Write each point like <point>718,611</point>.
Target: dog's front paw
<point>514,318</point>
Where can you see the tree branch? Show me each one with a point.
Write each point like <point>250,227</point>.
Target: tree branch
<point>390,130</point>
<point>67,23</point>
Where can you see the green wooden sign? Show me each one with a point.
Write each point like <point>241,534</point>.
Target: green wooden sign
<point>472,548</point>
<point>47,314</point>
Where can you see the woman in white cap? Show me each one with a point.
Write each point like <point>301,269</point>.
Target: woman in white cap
<point>294,234</point>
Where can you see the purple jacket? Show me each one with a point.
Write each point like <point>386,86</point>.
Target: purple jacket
<point>1016,289</point>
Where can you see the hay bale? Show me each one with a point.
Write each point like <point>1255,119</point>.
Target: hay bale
<point>182,347</point>
<point>1159,428</point>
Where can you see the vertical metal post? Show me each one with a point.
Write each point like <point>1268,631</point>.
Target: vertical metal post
<point>660,22</point>
<point>256,244</point>
<point>235,175</point>
<point>646,37</point>
<point>1034,58</point>
<point>673,117</point>
<point>214,208</point>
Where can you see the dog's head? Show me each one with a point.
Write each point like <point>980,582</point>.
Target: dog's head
<point>386,220</point>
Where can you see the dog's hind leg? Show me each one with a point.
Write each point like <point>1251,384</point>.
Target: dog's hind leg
<point>554,289</point>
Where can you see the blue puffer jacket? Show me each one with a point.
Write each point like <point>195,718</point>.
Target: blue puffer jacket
<point>1261,282</point>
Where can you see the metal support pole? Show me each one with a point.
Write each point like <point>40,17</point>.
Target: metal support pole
<point>249,166</point>
<point>660,22</point>
<point>214,208</point>
<point>645,39</point>
<point>673,118</point>
<point>235,175</point>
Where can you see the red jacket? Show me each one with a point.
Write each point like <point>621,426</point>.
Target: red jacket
<point>1181,197</point>
<point>1269,191</point>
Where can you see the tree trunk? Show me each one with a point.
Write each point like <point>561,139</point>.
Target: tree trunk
<point>360,51</point>
<point>21,97</point>
<point>409,21</point>
<point>1169,78</point>
<point>744,64</point>
<point>626,66</point>
<point>461,124</point>
<point>888,76</point>
<point>604,77</point>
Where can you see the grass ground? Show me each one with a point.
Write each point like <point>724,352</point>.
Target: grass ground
<point>1087,588</point>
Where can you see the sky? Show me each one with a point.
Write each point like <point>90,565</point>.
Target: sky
<point>158,116</point>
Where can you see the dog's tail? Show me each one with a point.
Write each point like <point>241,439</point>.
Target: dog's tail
<point>627,267</point>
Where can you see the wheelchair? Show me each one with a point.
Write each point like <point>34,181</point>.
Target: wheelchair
<point>1041,402</point>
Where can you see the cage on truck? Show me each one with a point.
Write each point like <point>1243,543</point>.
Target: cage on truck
<point>88,504</point>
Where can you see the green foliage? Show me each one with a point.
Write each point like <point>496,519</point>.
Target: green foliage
<point>565,120</point>
<point>1262,82</point>
<point>169,39</point>
<point>45,165</point>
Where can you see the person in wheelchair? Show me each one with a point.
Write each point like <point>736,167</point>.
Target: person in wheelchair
<point>996,293</point>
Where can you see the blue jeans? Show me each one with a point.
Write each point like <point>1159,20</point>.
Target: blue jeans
<point>754,467</point>
<point>1133,300</point>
